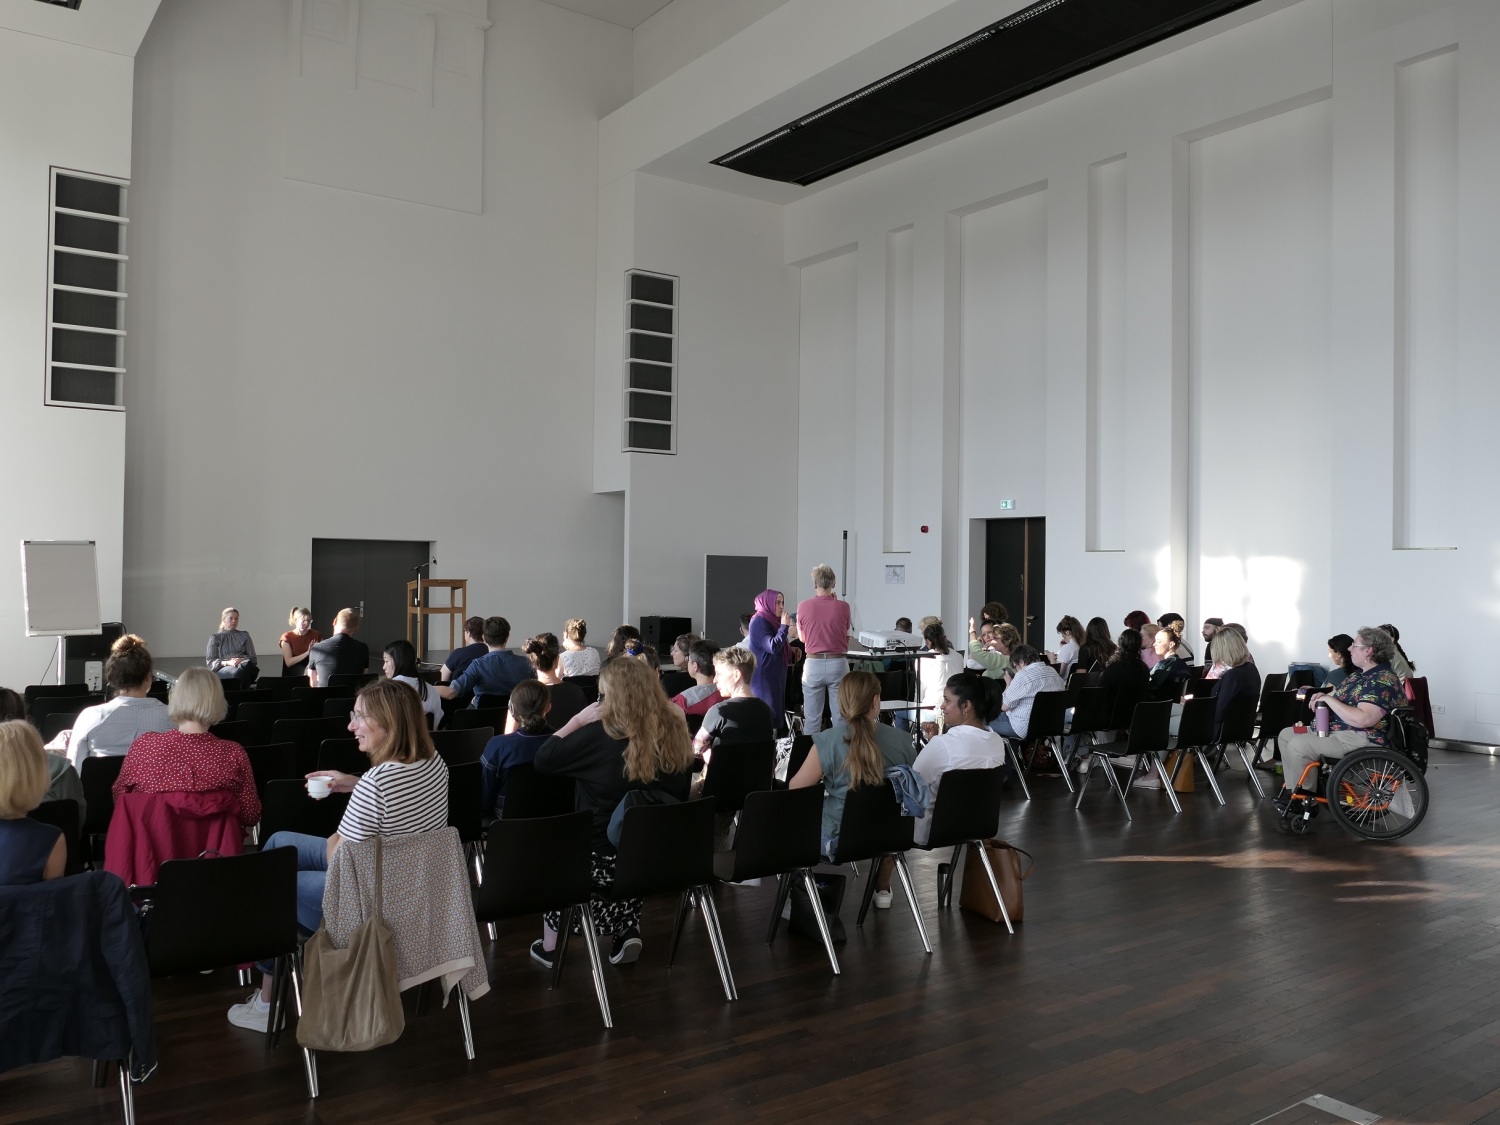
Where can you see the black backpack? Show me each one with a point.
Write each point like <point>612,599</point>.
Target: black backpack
<point>1409,736</point>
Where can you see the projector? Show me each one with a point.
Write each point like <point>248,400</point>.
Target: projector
<point>891,640</point>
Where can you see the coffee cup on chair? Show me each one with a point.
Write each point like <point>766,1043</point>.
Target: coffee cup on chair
<point>319,787</point>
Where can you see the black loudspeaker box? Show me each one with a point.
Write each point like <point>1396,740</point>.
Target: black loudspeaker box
<point>660,632</point>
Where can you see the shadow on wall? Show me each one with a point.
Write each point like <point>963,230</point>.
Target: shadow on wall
<point>1264,592</point>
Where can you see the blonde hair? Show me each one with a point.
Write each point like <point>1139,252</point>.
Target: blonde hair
<point>298,611</point>
<point>23,769</point>
<point>395,709</point>
<point>347,619</point>
<point>224,614</point>
<point>1009,635</point>
<point>636,709</point>
<point>823,577</point>
<point>197,697</point>
<point>740,658</point>
<point>863,763</point>
<point>1229,648</point>
<point>575,629</point>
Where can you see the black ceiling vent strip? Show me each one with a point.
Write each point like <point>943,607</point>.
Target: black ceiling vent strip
<point>1036,47</point>
<point>64,3</point>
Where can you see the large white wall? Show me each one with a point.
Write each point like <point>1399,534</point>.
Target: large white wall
<point>1221,318</point>
<point>321,362</point>
<point>66,106</point>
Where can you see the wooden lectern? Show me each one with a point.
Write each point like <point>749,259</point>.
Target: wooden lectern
<point>417,609</point>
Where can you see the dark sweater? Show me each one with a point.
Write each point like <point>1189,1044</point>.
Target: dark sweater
<point>1167,669</point>
<point>1131,674</point>
<point>1243,679</point>
<point>596,762</point>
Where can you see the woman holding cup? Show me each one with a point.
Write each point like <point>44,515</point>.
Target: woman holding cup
<point>405,790</point>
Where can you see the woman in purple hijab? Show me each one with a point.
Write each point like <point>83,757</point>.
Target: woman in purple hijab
<point>769,633</point>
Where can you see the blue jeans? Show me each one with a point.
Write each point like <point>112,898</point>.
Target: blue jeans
<point>821,676</point>
<point>312,873</point>
<point>1001,726</point>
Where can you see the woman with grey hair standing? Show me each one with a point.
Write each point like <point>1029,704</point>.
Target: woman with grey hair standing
<point>1359,712</point>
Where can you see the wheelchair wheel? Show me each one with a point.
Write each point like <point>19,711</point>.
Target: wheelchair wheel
<point>1377,794</point>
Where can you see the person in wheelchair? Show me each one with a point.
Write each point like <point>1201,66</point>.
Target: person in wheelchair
<point>1359,713</point>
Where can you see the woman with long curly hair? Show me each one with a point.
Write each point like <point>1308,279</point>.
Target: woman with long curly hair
<point>633,738</point>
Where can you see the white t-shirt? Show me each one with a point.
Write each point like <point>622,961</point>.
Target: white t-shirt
<point>933,674</point>
<point>957,748</point>
<point>433,704</point>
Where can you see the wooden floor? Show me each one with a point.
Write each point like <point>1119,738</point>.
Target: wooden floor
<point>1201,968</point>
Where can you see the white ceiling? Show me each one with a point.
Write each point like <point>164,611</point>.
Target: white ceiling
<point>625,13</point>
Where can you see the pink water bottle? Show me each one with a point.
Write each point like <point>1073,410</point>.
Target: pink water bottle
<point>1322,716</point>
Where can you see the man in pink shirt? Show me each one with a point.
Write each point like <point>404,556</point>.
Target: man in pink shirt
<point>823,625</point>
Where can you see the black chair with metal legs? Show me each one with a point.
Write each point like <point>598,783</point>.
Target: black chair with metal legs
<point>1276,711</point>
<point>1238,730</point>
<point>470,718</point>
<point>873,829</point>
<point>1093,709</point>
<point>1150,727</point>
<point>539,864</point>
<point>456,746</point>
<point>737,769</point>
<point>205,914</point>
<point>344,755</point>
<point>669,849</point>
<point>780,834</point>
<point>1195,735</point>
<point>466,810</point>
<point>307,735</point>
<point>98,776</point>
<point>1045,728</point>
<point>530,794</point>
<point>286,807</point>
<point>967,811</point>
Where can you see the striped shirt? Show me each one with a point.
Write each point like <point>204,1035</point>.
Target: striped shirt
<point>397,798</point>
<point>229,643</point>
<point>110,728</point>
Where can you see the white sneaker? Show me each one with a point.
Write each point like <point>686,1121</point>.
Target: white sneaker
<point>882,900</point>
<point>252,1015</point>
<point>1147,781</point>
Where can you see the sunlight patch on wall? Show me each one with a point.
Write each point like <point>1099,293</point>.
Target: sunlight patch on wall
<point>1263,593</point>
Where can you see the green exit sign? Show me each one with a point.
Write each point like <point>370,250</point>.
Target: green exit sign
<point>1007,505</point>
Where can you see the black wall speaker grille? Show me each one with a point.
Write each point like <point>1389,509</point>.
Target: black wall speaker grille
<point>1036,47</point>
<point>85,292</point>
<point>650,363</point>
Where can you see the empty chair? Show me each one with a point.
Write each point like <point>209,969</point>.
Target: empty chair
<point>873,829</point>
<point>263,717</point>
<point>466,811</point>
<point>281,687</point>
<point>1238,730</point>
<point>967,811</point>
<point>780,835</point>
<point>1274,681</point>
<point>802,745</point>
<point>471,718</point>
<point>669,849</point>
<point>342,754</point>
<point>337,707</point>
<point>45,707</point>
<point>237,699</point>
<point>736,769</point>
<point>455,746</point>
<point>275,761</point>
<point>237,731</point>
<point>286,807</point>
<point>1149,731</point>
<point>1302,677</point>
<point>534,865</point>
<point>529,794</point>
<point>351,680</point>
<point>34,692</point>
<point>63,815</point>
<point>211,913</point>
<point>1093,712</point>
<point>1195,735</point>
<point>99,776</point>
<point>307,735</point>
<point>492,702</point>
<point>316,695</point>
<point>1277,709</point>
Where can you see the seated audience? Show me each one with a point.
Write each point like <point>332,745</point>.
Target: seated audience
<point>970,704</point>
<point>993,613</point>
<point>1097,647</point>
<point>1217,667</point>
<point>1240,676</point>
<point>399,663</point>
<point>990,650</point>
<point>933,672</point>
<point>473,648</point>
<point>30,851</point>
<point>341,654</point>
<point>1137,618</point>
<point>1359,712</point>
<point>1211,625</point>
<point>405,790</point>
<point>740,715</point>
<point>1070,638</point>
<point>63,783</point>
<point>189,759</point>
<point>903,624</point>
<point>1125,668</point>
<point>624,641</point>
<point>698,699</point>
<point>494,673</point>
<point>578,659</point>
<point>633,738</point>
<point>297,641</point>
<point>1176,620</point>
<point>1338,656</point>
<point>565,699</point>
<point>231,653</point>
<point>1401,665</point>
<point>1170,666</point>
<point>1148,633</point>
<point>853,754</point>
<point>110,728</point>
<point>1029,674</point>
<point>745,619</point>
<point>526,729</point>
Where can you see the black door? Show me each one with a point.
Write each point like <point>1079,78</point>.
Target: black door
<point>369,575</point>
<point>1015,572</point>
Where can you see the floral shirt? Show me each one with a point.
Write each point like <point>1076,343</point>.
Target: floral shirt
<point>1379,686</point>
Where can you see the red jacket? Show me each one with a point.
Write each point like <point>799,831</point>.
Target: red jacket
<point>148,829</point>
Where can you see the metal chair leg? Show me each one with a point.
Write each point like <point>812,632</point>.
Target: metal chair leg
<point>1120,790</point>
<point>1260,793</point>
<point>810,885</point>
<point>989,871</point>
<point>463,1015</point>
<point>869,895</point>
<point>911,898</point>
<point>783,890</point>
<point>1166,782</point>
<point>1088,775</point>
<point>1020,768</point>
<point>127,1094</point>
<point>716,939</point>
<point>591,940</point>
<point>684,905</point>
<point>1062,765</point>
<point>946,878</point>
<point>565,924</point>
<point>1209,773</point>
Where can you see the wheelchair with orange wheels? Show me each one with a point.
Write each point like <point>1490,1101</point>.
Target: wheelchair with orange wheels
<point>1377,792</point>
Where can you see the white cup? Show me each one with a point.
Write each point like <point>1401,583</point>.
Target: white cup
<point>319,787</point>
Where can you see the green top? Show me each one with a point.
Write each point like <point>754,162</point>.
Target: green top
<point>996,664</point>
<point>831,749</point>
